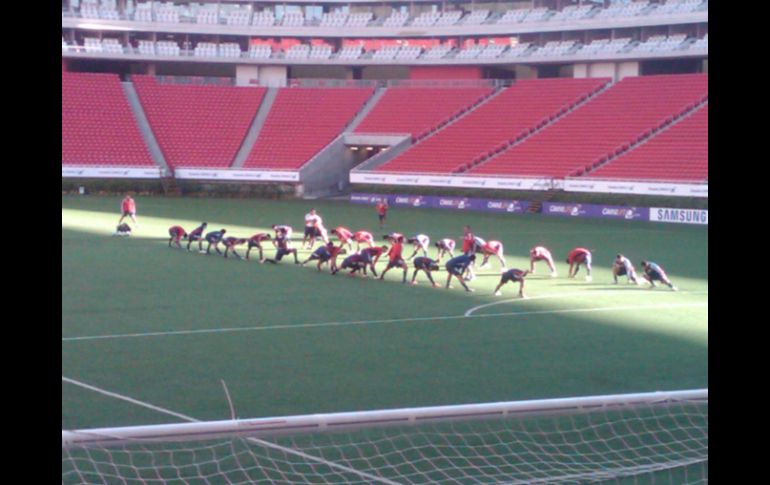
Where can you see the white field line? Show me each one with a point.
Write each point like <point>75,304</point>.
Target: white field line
<point>393,320</point>
<point>578,293</point>
<point>253,440</point>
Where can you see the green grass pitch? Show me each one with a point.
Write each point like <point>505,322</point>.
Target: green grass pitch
<point>163,327</point>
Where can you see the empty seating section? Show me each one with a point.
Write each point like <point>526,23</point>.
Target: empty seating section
<point>608,124</point>
<point>476,17</point>
<point>499,121</point>
<point>97,124</point>
<point>418,110</point>
<point>198,126</point>
<point>677,153</point>
<point>301,122</point>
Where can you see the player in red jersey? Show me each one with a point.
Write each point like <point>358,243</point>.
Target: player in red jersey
<point>363,237</point>
<point>575,258</point>
<point>197,235</point>
<point>176,234</point>
<point>344,236</point>
<point>490,248</point>
<point>539,253</point>
<point>255,241</point>
<point>128,208</point>
<point>469,247</point>
<point>396,260</point>
<point>230,243</point>
<point>382,211</point>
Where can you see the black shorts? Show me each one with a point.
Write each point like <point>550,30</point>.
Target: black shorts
<point>655,276</point>
<point>398,263</point>
<point>311,231</point>
<point>194,237</point>
<point>381,216</point>
<point>281,253</point>
<point>621,271</point>
<point>509,276</point>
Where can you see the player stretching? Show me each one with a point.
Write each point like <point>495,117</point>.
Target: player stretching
<point>421,242</point>
<point>575,258</point>
<point>539,253</point>
<point>354,262</point>
<point>427,265</point>
<point>231,242</point>
<point>382,211</point>
<point>282,243</point>
<point>457,266</point>
<point>286,230</point>
<point>489,249</point>
<point>363,237</point>
<point>512,275</point>
<point>197,235</point>
<point>344,235</point>
<point>396,260</point>
<point>445,246</point>
<point>176,234</point>
<point>372,255</point>
<point>623,267</point>
<point>653,273</point>
<point>323,254</point>
<point>255,241</point>
<point>214,237</point>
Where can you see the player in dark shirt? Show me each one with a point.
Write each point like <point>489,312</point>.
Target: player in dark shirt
<point>457,266</point>
<point>653,273</point>
<point>282,243</point>
<point>231,242</point>
<point>323,254</point>
<point>427,265</point>
<point>255,241</point>
<point>214,237</point>
<point>354,262</point>
<point>176,234</point>
<point>197,235</point>
<point>372,255</point>
<point>513,275</point>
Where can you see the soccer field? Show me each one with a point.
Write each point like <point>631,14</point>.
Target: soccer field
<point>149,333</point>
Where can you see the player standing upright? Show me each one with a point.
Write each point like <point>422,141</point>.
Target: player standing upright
<point>128,208</point>
<point>176,234</point>
<point>575,258</point>
<point>539,253</point>
<point>469,247</point>
<point>382,210</point>
<point>312,220</point>
<point>653,273</point>
<point>445,246</point>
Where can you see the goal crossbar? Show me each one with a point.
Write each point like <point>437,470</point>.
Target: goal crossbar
<point>315,423</point>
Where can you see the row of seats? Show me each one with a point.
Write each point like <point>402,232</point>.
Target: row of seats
<point>236,16</point>
<point>494,124</point>
<point>414,52</point>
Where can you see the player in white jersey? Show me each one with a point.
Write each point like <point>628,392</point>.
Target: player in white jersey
<point>284,230</point>
<point>421,242</point>
<point>539,253</point>
<point>623,267</point>
<point>445,246</point>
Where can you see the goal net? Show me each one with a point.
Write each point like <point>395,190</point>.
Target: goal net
<point>635,439</point>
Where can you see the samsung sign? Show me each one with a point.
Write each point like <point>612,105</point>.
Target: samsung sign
<point>680,216</point>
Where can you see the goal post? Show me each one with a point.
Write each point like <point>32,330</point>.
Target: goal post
<point>662,436</point>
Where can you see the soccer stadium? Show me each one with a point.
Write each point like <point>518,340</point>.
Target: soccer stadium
<point>384,242</point>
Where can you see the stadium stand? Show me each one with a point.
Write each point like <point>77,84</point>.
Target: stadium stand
<point>396,19</point>
<point>198,126</point>
<point>98,126</point>
<point>303,121</point>
<point>591,134</point>
<point>419,111</point>
<point>679,152</point>
<point>265,18</point>
<point>493,125</point>
<point>477,17</point>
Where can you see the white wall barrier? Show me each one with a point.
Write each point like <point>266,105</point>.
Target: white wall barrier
<point>451,181</point>
<point>241,175</point>
<point>634,187</point>
<point>111,172</point>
